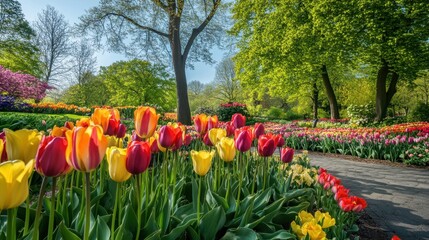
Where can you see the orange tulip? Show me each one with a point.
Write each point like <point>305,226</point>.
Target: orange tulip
<point>200,122</point>
<point>145,120</point>
<point>108,119</point>
<point>212,122</point>
<point>86,147</point>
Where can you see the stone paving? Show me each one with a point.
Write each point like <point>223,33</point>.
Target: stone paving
<point>397,197</point>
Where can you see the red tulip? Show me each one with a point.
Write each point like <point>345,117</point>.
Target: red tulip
<point>279,140</point>
<point>187,139</point>
<point>258,130</point>
<point>69,125</point>
<point>229,129</point>
<point>395,238</point>
<point>212,122</point>
<point>243,139</point>
<point>153,143</point>
<point>286,154</point>
<point>340,192</point>
<point>266,146</point>
<point>51,156</point>
<point>3,154</point>
<point>238,120</point>
<point>206,140</point>
<point>353,203</point>
<point>200,122</point>
<point>170,137</point>
<point>138,157</point>
<point>122,129</point>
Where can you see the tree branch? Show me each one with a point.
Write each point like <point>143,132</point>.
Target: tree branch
<point>200,28</point>
<point>132,21</point>
<point>160,4</point>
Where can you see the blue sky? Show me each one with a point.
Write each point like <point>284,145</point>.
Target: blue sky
<point>73,9</point>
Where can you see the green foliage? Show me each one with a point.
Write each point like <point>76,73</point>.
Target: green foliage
<point>205,110</point>
<point>420,112</point>
<point>361,114</point>
<point>41,122</point>
<point>137,82</point>
<point>225,111</point>
<point>274,113</point>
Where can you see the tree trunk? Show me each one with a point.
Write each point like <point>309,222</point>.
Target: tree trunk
<point>383,98</point>
<point>179,63</point>
<point>315,99</point>
<point>333,105</point>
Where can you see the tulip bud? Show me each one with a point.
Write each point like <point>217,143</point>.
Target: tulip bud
<point>138,157</point>
<point>202,161</point>
<point>122,129</point>
<point>145,121</point>
<point>86,147</point>
<point>14,183</point>
<point>286,154</point>
<point>243,139</point>
<point>266,146</point>
<point>212,122</point>
<point>226,149</point>
<point>238,120</point>
<point>258,130</point>
<point>22,144</point>
<point>51,157</point>
<point>200,122</point>
<point>116,158</point>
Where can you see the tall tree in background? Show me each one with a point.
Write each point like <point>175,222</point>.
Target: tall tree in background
<point>160,30</point>
<point>280,39</point>
<point>227,84</point>
<point>16,50</point>
<point>53,41</point>
<point>83,61</point>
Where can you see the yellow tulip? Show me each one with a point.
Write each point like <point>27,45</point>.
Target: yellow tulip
<point>14,183</point>
<point>1,149</point>
<point>216,134</point>
<point>112,141</point>
<point>314,230</point>
<point>304,216</point>
<point>86,147</point>
<point>116,157</point>
<point>202,160</point>
<point>324,219</point>
<point>226,149</point>
<point>22,144</point>
<point>145,121</point>
<point>297,229</point>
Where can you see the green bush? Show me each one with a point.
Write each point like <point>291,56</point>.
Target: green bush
<point>225,111</point>
<point>205,110</point>
<point>274,113</point>
<point>420,112</point>
<point>361,114</point>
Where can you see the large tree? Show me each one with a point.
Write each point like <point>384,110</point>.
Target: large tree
<point>160,30</point>
<point>53,41</point>
<point>138,82</point>
<point>16,50</point>
<point>282,43</point>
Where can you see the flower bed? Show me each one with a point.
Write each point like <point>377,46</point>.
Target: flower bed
<point>167,184</point>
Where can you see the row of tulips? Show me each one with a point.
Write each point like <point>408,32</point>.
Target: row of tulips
<point>158,183</point>
<point>402,142</point>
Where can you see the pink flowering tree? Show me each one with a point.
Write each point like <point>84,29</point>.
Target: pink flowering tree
<point>21,85</point>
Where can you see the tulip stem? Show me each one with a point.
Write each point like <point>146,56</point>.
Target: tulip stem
<point>240,182</point>
<point>11,224</point>
<point>52,212</point>
<point>115,208</point>
<point>139,206</point>
<point>39,208</point>
<point>198,200</point>
<point>88,205</point>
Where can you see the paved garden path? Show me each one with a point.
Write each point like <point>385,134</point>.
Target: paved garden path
<point>398,198</point>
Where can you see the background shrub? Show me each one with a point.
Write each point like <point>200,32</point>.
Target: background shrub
<point>225,111</point>
<point>420,112</point>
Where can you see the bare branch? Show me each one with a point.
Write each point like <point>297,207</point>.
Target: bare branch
<point>200,28</point>
<point>160,4</point>
<point>132,21</point>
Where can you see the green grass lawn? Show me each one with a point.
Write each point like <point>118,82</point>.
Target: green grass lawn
<point>17,120</point>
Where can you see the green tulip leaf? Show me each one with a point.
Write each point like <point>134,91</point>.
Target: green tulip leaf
<point>100,230</point>
<point>130,219</point>
<point>212,222</point>
<point>262,199</point>
<point>151,225</point>
<point>247,217</point>
<point>122,233</point>
<point>220,200</point>
<point>280,235</point>
<point>67,233</point>
<point>180,229</point>
<point>240,233</point>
